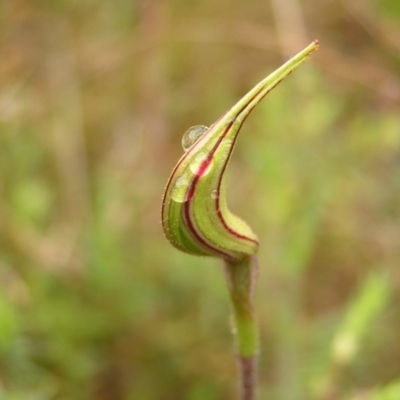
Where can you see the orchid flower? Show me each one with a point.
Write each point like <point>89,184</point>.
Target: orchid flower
<point>196,219</point>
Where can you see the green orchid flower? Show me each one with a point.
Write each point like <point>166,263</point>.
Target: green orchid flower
<point>195,215</point>
<point>196,219</point>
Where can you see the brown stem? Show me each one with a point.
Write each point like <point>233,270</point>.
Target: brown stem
<point>241,278</point>
<point>248,377</point>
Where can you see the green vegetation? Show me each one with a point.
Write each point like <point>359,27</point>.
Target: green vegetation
<point>196,219</point>
<point>94,99</point>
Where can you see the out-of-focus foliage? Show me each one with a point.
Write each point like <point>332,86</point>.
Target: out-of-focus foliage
<point>94,98</point>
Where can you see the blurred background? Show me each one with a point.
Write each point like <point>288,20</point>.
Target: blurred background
<point>94,98</point>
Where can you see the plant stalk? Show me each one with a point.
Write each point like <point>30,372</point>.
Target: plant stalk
<point>241,278</point>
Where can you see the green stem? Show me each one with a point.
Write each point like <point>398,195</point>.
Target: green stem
<point>241,277</point>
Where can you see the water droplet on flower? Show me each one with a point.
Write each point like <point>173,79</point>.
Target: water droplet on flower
<point>214,194</point>
<point>178,192</point>
<point>181,181</point>
<point>201,164</point>
<point>192,135</point>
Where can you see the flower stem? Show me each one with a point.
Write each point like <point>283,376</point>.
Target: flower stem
<point>241,277</point>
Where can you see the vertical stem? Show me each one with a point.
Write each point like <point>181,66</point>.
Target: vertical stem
<point>241,277</point>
